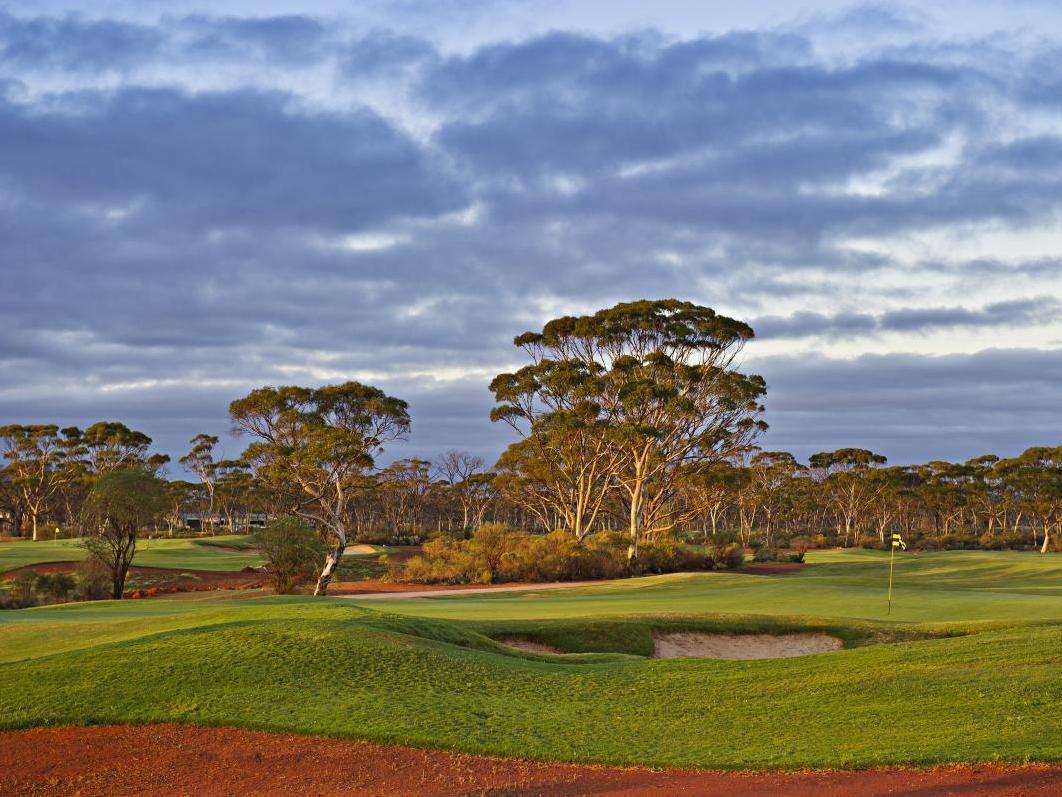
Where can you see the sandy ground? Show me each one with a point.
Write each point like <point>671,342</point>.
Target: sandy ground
<point>165,760</point>
<point>687,644</point>
<point>741,646</point>
<point>526,644</point>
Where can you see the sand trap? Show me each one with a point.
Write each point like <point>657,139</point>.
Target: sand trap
<point>741,646</point>
<point>527,644</point>
<point>359,550</point>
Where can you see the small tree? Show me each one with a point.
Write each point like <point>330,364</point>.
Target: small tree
<point>293,552</point>
<point>121,503</point>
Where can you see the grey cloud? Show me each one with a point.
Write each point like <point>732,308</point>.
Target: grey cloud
<point>74,43</point>
<point>1016,313</point>
<point>240,158</point>
<point>911,407</point>
<point>165,249</point>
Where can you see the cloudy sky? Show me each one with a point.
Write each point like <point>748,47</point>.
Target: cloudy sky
<point>192,205</point>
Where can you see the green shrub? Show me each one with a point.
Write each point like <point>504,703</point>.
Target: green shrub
<point>22,588</point>
<point>765,555</point>
<point>292,550</point>
<point>496,553</point>
<point>93,579</point>
<point>729,556</point>
<point>56,586</point>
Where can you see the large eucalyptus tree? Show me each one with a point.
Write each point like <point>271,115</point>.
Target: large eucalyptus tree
<point>654,387</point>
<point>317,446</point>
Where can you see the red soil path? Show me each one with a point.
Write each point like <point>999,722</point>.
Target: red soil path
<point>157,760</point>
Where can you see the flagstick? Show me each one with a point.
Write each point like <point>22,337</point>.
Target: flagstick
<point>892,558</point>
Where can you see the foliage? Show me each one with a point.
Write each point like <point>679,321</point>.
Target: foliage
<point>93,579</point>
<point>293,552</point>
<point>620,404</point>
<point>730,555</point>
<point>496,553</point>
<point>121,504</point>
<point>314,446</point>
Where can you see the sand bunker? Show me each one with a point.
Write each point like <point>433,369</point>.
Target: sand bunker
<point>741,646</point>
<point>526,644</point>
<point>359,550</point>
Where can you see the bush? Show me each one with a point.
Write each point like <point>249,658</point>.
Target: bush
<point>766,555</point>
<point>22,592</point>
<point>991,542</point>
<point>57,586</point>
<point>93,579</point>
<point>729,556</point>
<point>496,553</point>
<point>292,550</point>
<point>871,542</point>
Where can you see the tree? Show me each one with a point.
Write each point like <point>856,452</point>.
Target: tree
<point>200,461</point>
<point>463,474</point>
<point>562,468</point>
<point>654,382</point>
<point>772,474</point>
<point>38,469</point>
<point>111,446</point>
<point>121,504</point>
<point>709,488</point>
<point>315,446</point>
<point>848,489</point>
<point>404,485</point>
<point>1037,477</point>
<point>561,471</point>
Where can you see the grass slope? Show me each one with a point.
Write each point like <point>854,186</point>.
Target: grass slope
<point>225,552</point>
<point>989,687</point>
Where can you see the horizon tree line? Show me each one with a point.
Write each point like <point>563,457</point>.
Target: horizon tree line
<point>635,419</point>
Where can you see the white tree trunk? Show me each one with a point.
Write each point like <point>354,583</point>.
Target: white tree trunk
<point>333,559</point>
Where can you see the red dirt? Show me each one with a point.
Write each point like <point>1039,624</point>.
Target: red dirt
<point>373,586</point>
<point>157,760</point>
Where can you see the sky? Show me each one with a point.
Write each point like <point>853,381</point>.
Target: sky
<point>194,203</point>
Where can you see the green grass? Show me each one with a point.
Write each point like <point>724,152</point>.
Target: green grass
<point>950,586</point>
<point>970,670</point>
<point>225,552</point>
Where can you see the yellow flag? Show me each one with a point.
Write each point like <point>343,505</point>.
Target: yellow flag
<point>897,542</point>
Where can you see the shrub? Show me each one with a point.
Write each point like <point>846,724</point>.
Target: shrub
<point>991,542</point>
<point>729,556</point>
<point>765,555</point>
<point>293,552</point>
<point>496,553</point>
<point>57,586</point>
<point>93,579</point>
<point>22,591</point>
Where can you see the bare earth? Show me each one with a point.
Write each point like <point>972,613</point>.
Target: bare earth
<point>741,646</point>
<point>158,760</point>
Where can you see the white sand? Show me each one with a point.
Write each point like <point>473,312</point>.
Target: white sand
<point>741,646</point>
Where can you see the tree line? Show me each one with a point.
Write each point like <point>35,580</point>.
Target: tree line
<point>636,418</point>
